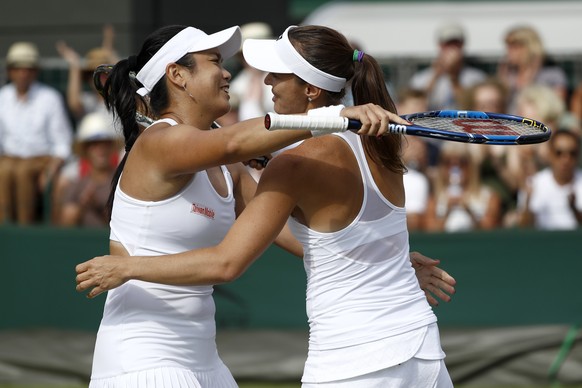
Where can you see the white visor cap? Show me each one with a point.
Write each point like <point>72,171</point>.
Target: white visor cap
<point>279,56</point>
<point>189,40</point>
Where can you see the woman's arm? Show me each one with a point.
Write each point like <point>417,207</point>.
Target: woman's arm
<point>252,233</point>
<point>245,189</point>
<point>74,86</point>
<point>186,149</point>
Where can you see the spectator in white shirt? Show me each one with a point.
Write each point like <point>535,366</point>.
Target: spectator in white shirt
<point>35,136</point>
<point>553,199</point>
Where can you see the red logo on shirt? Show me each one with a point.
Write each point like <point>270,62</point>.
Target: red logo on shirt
<point>202,210</point>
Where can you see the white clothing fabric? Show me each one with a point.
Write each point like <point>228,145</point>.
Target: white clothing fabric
<point>425,373</point>
<point>165,377</point>
<point>549,201</point>
<point>416,187</point>
<point>35,126</point>
<point>362,292</point>
<point>442,95</point>
<point>459,220</point>
<point>247,108</point>
<point>359,360</point>
<point>147,326</point>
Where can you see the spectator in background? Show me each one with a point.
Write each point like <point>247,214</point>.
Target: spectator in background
<point>552,199</point>
<point>575,108</point>
<point>526,64</point>
<point>540,103</point>
<point>460,201</point>
<point>82,98</point>
<point>415,154</point>
<point>414,101</point>
<point>84,200</point>
<point>416,183</point>
<point>491,95</point>
<point>35,136</point>
<point>250,96</point>
<point>449,75</point>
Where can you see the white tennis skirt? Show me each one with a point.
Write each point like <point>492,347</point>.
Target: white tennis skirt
<point>169,377</point>
<point>412,373</point>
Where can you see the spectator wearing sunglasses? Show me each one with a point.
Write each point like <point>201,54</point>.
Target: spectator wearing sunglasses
<point>553,198</point>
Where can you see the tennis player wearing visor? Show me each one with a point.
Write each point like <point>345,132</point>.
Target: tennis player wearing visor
<point>179,187</point>
<point>343,198</point>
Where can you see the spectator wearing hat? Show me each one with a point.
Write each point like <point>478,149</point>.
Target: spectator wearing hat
<point>449,75</point>
<point>84,200</point>
<point>35,136</point>
<point>82,97</point>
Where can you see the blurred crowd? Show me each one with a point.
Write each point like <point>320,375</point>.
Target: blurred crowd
<point>58,152</point>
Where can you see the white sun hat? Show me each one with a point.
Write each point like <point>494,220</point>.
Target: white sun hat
<point>96,126</point>
<point>189,40</point>
<point>279,56</point>
<point>23,54</point>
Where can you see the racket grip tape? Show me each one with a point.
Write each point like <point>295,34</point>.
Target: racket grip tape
<point>318,123</point>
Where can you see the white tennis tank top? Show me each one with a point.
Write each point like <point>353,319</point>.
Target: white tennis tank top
<point>148,325</point>
<point>366,310</point>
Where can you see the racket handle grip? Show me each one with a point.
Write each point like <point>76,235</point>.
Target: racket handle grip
<point>319,123</point>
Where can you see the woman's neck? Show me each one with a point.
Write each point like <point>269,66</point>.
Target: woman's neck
<point>199,122</point>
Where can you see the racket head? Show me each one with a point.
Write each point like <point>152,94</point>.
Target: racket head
<point>477,127</point>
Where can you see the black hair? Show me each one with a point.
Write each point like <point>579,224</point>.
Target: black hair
<point>121,98</point>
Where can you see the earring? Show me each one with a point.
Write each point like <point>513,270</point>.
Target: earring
<point>309,99</point>
<point>186,90</point>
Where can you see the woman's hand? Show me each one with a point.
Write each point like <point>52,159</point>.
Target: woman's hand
<point>101,274</point>
<point>435,282</point>
<point>68,54</point>
<point>374,118</point>
<point>258,163</point>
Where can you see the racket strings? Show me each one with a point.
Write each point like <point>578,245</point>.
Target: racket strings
<point>478,126</point>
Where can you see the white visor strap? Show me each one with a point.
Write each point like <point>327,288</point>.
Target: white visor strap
<point>170,52</point>
<point>303,69</point>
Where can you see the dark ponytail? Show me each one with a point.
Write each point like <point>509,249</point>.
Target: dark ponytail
<point>121,98</point>
<point>369,86</point>
<point>330,51</point>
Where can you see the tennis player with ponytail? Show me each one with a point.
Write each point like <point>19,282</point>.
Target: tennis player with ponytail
<point>344,194</point>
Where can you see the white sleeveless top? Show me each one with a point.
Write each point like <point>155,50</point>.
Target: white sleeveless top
<point>148,325</point>
<point>366,310</point>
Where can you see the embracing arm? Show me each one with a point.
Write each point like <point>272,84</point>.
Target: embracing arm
<point>435,282</point>
<point>186,149</point>
<point>190,149</point>
<point>252,233</point>
<point>245,187</point>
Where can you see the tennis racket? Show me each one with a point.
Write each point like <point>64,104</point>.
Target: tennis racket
<point>453,125</point>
